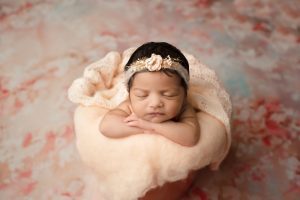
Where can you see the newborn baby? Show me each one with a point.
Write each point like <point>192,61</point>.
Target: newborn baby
<point>145,131</point>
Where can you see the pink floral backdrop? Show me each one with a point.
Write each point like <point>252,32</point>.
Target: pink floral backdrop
<point>253,46</point>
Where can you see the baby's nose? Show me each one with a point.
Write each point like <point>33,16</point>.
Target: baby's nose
<point>156,101</point>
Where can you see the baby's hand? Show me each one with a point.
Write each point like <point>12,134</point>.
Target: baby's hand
<point>131,118</point>
<point>134,121</point>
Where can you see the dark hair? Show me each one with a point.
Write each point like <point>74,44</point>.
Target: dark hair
<point>163,49</point>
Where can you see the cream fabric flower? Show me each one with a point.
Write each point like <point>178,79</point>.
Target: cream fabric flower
<point>154,63</point>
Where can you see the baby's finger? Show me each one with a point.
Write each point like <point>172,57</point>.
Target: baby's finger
<point>129,118</point>
<point>133,123</point>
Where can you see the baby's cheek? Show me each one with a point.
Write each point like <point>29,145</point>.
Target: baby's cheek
<point>138,111</point>
<point>175,112</point>
<point>175,109</point>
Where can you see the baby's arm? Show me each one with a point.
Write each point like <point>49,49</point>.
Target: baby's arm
<point>185,132</point>
<point>113,125</point>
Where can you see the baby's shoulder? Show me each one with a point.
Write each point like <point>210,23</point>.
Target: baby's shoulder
<point>188,110</point>
<point>125,106</point>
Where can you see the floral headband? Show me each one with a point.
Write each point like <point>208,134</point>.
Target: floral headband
<point>156,63</point>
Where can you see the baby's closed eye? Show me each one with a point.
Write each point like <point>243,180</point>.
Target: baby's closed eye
<point>170,94</point>
<point>141,94</point>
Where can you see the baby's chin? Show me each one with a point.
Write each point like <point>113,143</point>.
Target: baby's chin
<point>157,120</point>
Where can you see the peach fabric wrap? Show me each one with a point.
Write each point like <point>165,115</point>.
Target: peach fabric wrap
<point>129,167</point>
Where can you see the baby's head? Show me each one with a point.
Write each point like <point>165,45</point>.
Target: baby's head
<point>157,76</point>
<point>161,50</point>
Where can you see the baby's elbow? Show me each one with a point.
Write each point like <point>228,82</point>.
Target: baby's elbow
<point>190,141</point>
<point>109,134</point>
<point>103,130</point>
<point>193,130</point>
<point>112,131</point>
<point>194,136</point>
<point>194,140</point>
<point>106,130</point>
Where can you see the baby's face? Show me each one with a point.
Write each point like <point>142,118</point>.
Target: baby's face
<point>156,96</point>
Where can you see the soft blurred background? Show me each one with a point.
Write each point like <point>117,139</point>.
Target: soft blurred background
<point>254,46</point>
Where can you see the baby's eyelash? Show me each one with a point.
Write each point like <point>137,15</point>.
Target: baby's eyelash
<point>170,95</point>
<point>141,95</point>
